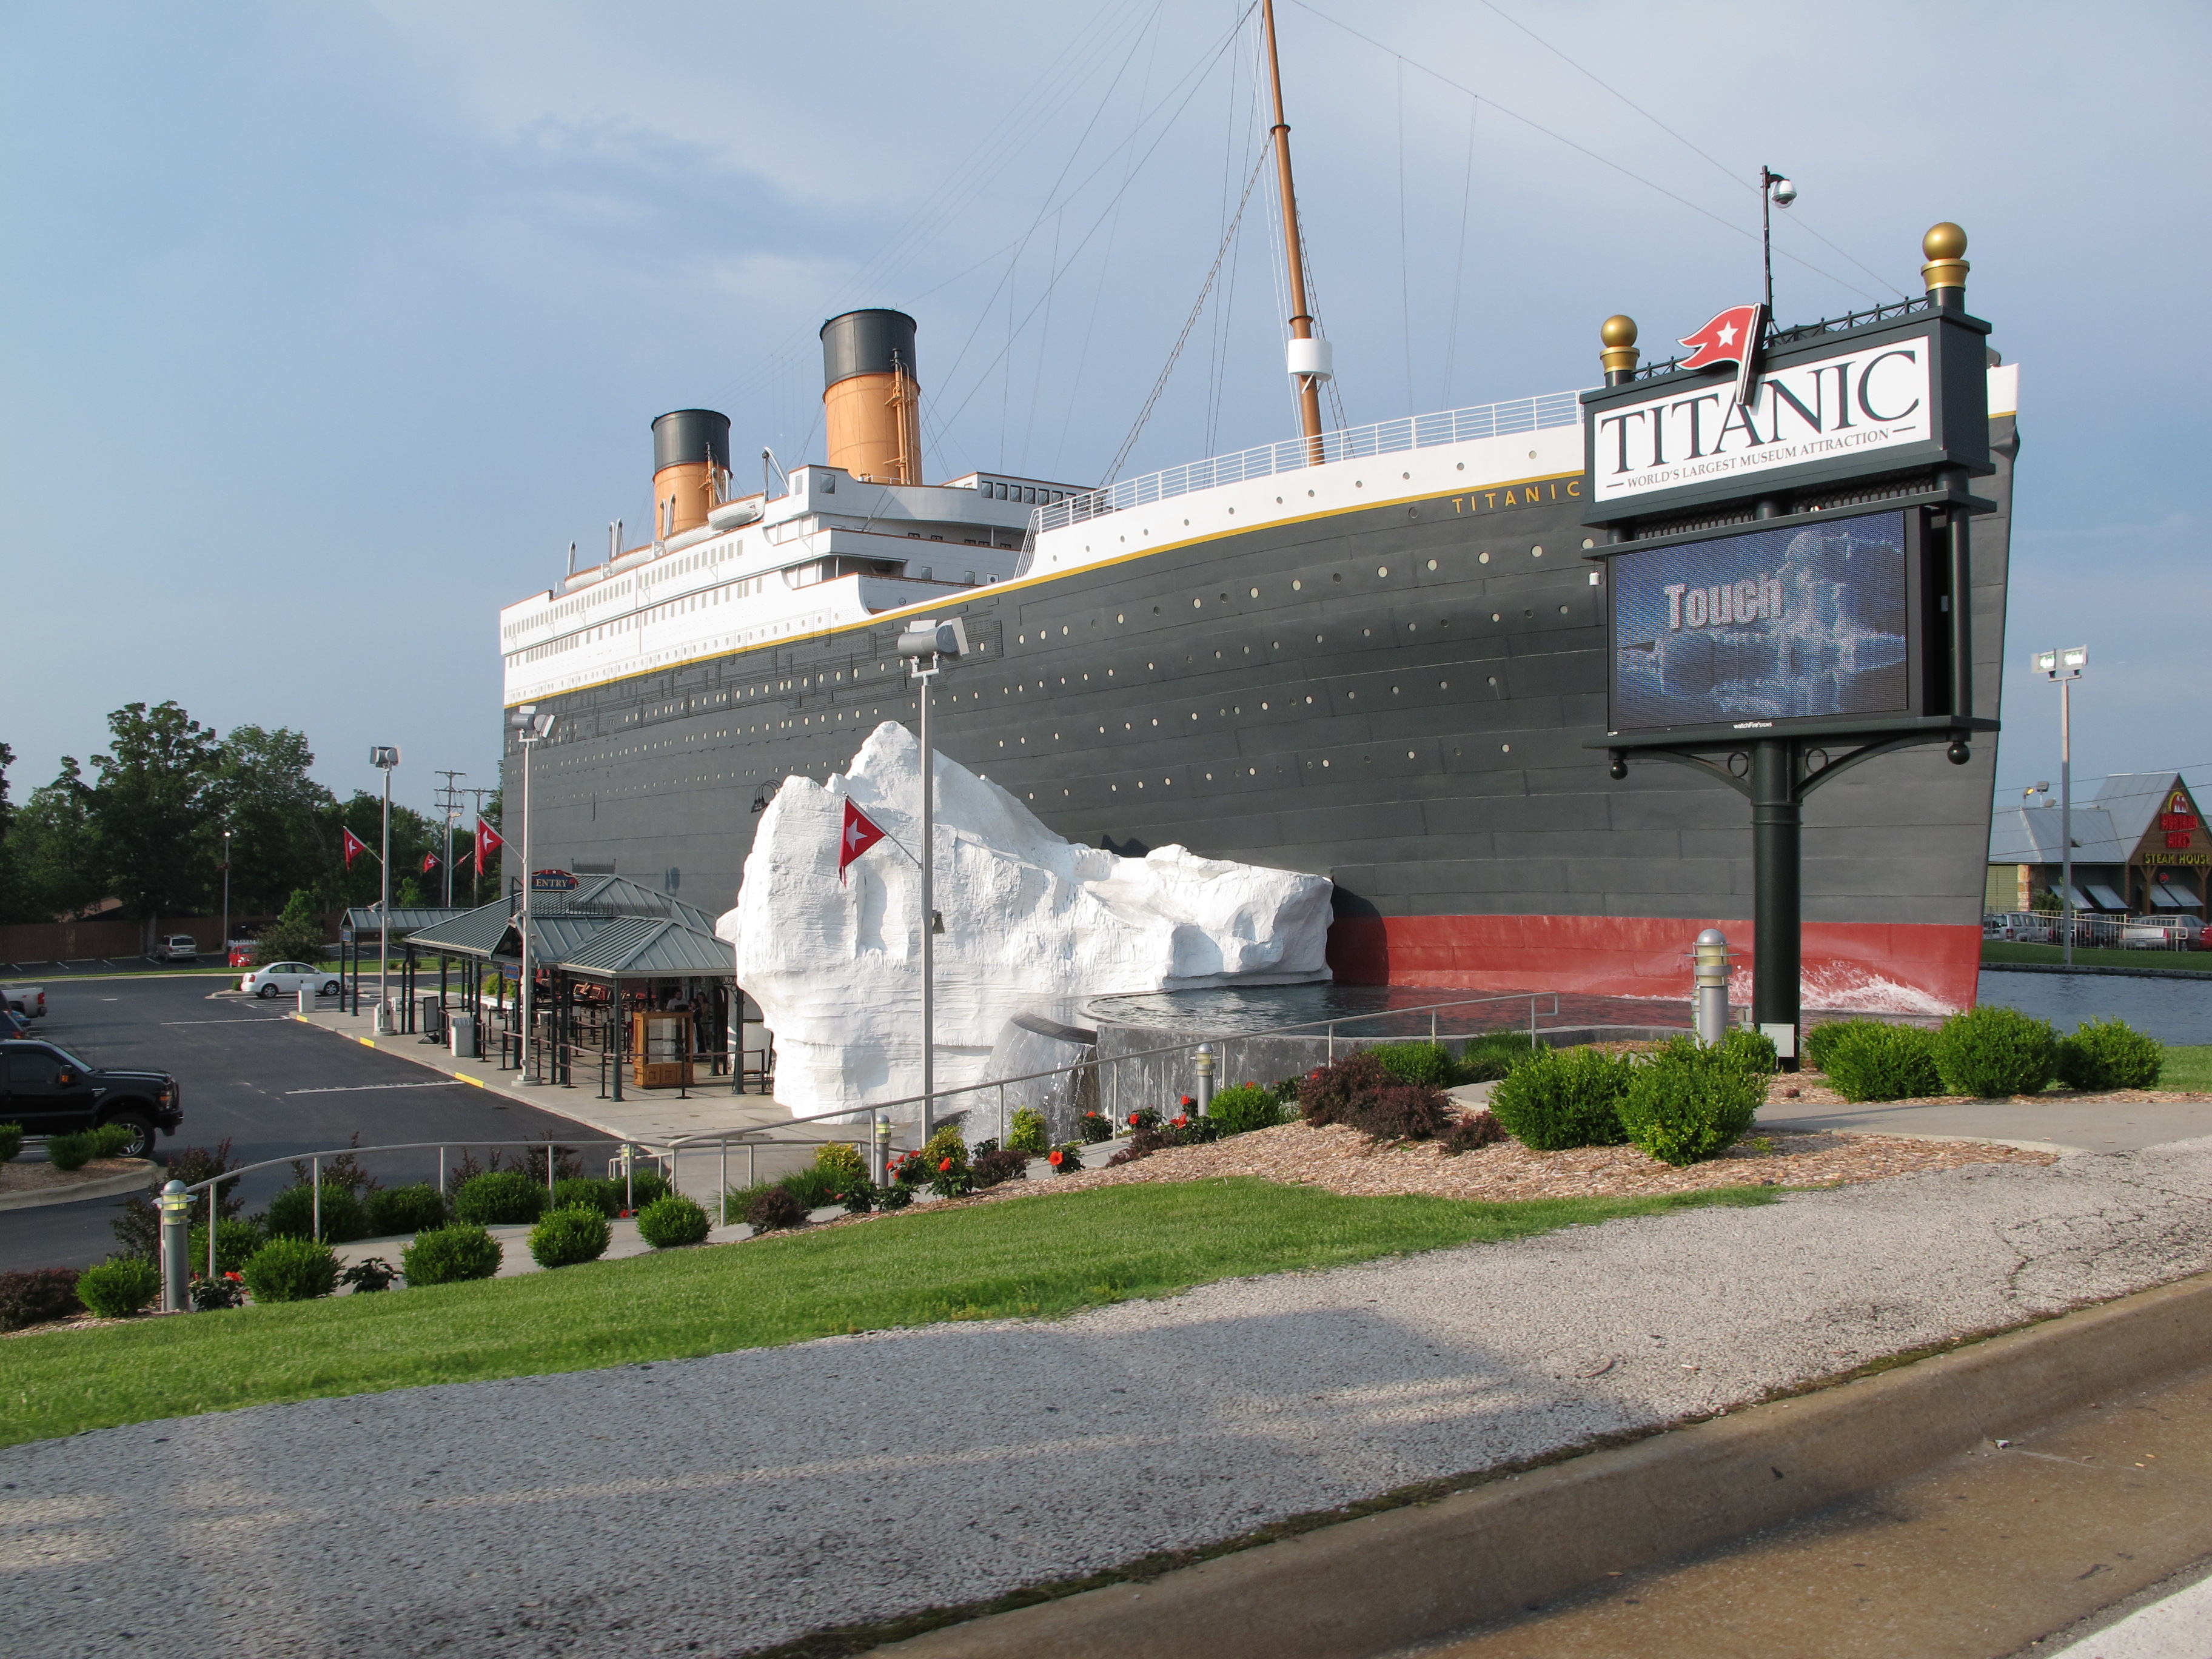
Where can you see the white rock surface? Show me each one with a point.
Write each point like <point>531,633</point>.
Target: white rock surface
<point>1029,919</point>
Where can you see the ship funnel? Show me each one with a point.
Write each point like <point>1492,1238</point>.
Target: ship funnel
<point>870,401</point>
<point>690,469</point>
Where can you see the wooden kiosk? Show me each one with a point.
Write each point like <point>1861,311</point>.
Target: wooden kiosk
<point>660,1049</point>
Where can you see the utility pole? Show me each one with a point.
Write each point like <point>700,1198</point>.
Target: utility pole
<point>475,874</point>
<point>449,801</point>
<point>384,757</point>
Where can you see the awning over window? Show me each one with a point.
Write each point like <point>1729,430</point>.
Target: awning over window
<point>2173,898</point>
<point>2107,897</point>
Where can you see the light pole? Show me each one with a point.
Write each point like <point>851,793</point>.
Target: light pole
<point>532,727</point>
<point>1772,187</point>
<point>384,757</point>
<point>930,642</point>
<point>2065,667</point>
<point>226,898</point>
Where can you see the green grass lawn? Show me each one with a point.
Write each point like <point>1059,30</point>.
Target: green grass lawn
<point>2192,962</point>
<point>1043,1255</point>
<point>2188,1067</point>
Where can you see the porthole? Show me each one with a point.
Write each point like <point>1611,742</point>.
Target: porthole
<point>1118,618</point>
<point>1563,610</point>
<point>1317,638</point>
<point>1256,594</point>
<point>1493,679</point>
<point>1405,474</point>
<point>1382,569</point>
<point>1309,493</point>
<point>1481,558</point>
<point>1297,586</point>
<point>1444,685</point>
<point>1462,466</point>
<point>1495,616</point>
<point>1535,552</point>
<point>1588,544</point>
<point>1409,754</point>
<point>1432,564</point>
<point>1504,747</point>
<point>1196,603</point>
<point>1336,575</point>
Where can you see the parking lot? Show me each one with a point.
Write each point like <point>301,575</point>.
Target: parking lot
<point>274,1086</point>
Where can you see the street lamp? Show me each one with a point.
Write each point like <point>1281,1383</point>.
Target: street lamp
<point>925,643</point>
<point>226,898</point>
<point>1772,187</point>
<point>384,757</point>
<point>2065,667</point>
<point>531,728</point>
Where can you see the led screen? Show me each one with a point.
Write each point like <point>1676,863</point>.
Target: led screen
<point>1775,625</point>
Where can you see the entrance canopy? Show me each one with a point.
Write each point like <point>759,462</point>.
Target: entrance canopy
<point>610,928</point>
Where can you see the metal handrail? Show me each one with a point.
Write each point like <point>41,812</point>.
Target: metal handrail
<point>1449,426</point>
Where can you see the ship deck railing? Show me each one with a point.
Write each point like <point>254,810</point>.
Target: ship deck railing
<point>1450,426</point>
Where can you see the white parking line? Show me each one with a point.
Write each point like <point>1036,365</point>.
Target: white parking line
<point>364,1088</point>
<point>250,1019</point>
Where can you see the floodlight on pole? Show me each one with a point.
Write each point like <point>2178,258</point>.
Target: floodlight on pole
<point>532,729</point>
<point>385,757</point>
<point>926,645</point>
<point>2065,667</point>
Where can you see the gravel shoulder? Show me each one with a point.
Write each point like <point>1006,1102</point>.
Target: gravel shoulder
<point>723,1504</point>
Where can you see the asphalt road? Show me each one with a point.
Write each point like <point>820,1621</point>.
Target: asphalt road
<point>274,1087</point>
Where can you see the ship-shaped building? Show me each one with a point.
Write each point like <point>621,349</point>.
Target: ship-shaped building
<point>1379,655</point>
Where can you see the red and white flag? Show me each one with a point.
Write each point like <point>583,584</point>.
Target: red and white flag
<point>858,835</point>
<point>429,862</point>
<point>355,845</point>
<point>488,841</point>
<point>1731,337</point>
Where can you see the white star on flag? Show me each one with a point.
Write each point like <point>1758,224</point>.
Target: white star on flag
<point>859,834</point>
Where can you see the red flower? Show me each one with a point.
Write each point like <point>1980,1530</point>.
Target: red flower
<point>1135,1116</point>
<point>238,1277</point>
<point>1189,1101</point>
<point>1056,1156</point>
<point>943,1164</point>
<point>1181,1120</point>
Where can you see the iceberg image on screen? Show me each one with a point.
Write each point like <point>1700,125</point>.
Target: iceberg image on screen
<point>1778,624</point>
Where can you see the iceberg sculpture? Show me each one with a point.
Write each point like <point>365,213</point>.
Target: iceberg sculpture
<point>1030,919</point>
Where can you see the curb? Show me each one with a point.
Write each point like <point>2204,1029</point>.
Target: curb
<point>2116,973</point>
<point>108,1186</point>
<point>1385,1581</point>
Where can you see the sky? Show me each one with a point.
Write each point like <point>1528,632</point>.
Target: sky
<point>326,330</point>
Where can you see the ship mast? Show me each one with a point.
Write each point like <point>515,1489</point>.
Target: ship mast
<point>1301,320</point>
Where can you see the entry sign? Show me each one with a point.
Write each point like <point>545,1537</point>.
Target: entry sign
<point>552,881</point>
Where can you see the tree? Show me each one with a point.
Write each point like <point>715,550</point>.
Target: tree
<point>54,844</point>
<point>262,795</point>
<point>412,834</point>
<point>151,808</point>
<point>11,887</point>
<point>296,936</point>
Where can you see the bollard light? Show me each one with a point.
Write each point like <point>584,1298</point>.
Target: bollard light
<point>1712,981</point>
<point>1205,1059</point>
<point>175,1205</point>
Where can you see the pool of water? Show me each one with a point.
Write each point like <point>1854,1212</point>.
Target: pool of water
<point>2176,1011</point>
<point>1374,1011</point>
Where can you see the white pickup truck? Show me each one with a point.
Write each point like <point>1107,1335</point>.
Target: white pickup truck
<point>28,1000</point>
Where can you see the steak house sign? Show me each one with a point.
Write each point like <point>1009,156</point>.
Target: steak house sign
<point>1883,397</point>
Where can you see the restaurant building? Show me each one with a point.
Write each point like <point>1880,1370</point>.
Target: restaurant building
<point>2139,848</point>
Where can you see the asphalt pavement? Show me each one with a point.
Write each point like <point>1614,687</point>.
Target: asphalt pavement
<point>274,1087</point>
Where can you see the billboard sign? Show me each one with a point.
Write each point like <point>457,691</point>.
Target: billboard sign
<point>1768,628</point>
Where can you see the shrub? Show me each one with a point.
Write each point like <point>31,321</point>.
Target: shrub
<point>567,1237</point>
<point>119,1287</point>
<point>1754,1051</point>
<point>587,1192</point>
<point>893,1197</point>
<point>842,1161</point>
<point>1821,1042</point>
<point>1557,1100</point>
<point>368,1275</point>
<point>773,1208</point>
<point>11,1142</point>
<point>35,1298</point>
<point>1095,1128</point>
<point>448,1254</point>
<point>1872,1061</point>
<point>235,1241</point>
<point>1029,1132</point>
<point>2110,1054</point>
<point>815,1187</point>
<point>292,1214</point>
<point>862,1196</point>
<point>500,1198</point>
<point>1993,1050</point>
<point>411,1209</point>
<point>138,1227</point>
<point>947,1142</point>
<point>1691,1103</point>
<point>1493,1055</point>
<point>1363,1093</point>
<point>109,1140</point>
<point>71,1151</point>
<point>291,1270</point>
<point>952,1178</point>
<point>1471,1130</point>
<point>1429,1063</point>
<point>995,1166</point>
<point>668,1222</point>
<point>647,1185</point>
<point>1246,1107</point>
<point>1067,1159</point>
<point>214,1295</point>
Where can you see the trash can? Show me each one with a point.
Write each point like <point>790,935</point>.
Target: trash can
<point>432,1021</point>
<point>307,998</point>
<point>462,1031</point>
<point>387,1018</point>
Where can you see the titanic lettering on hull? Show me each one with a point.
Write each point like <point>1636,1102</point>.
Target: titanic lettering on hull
<point>1799,413</point>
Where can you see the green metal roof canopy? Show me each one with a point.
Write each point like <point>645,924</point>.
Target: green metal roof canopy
<point>609,928</point>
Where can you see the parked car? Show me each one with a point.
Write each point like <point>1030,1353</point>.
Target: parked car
<point>285,979</point>
<point>13,1024</point>
<point>49,1092</point>
<point>28,1000</point>
<point>178,947</point>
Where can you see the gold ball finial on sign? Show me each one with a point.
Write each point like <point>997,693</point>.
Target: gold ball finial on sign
<point>1945,245</point>
<point>1619,357</point>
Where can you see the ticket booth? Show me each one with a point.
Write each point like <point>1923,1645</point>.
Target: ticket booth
<point>660,1049</point>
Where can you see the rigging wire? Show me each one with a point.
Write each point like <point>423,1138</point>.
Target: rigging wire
<point>1559,137</point>
<point>1405,276</point>
<point>1728,171</point>
<point>1459,271</point>
<point>1189,323</point>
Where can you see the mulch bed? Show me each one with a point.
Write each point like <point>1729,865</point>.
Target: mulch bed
<point>22,1177</point>
<point>1811,1088</point>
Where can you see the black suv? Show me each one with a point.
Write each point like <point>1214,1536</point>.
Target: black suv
<point>49,1092</point>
